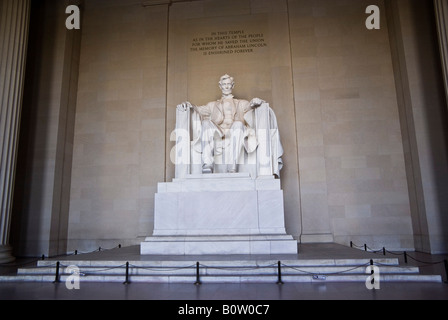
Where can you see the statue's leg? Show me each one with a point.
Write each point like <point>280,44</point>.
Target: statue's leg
<point>236,144</point>
<point>208,146</point>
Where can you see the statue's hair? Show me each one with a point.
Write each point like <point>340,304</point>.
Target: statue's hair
<point>226,76</point>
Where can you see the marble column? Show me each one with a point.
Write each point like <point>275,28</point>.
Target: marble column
<point>441,8</point>
<point>14,20</point>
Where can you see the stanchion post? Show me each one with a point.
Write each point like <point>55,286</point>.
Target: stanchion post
<point>127,274</point>
<point>198,281</point>
<point>351,244</point>
<point>56,277</point>
<point>405,257</point>
<point>372,272</point>
<point>445,262</point>
<point>365,247</point>
<point>384,251</point>
<point>279,273</point>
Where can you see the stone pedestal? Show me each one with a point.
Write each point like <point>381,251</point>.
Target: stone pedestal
<point>227,213</point>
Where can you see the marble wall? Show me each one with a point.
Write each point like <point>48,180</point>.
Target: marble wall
<point>118,155</point>
<point>352,169</point>
<point>329,79</point>
<point>331,82</point>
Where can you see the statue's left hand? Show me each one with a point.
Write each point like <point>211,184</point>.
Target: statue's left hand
<point>256,102</point>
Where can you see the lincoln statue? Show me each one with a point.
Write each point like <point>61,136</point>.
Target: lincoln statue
<point>225,119</point>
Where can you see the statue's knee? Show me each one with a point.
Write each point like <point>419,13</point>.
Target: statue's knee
<point>208,125</point>
<point>208,131</point>
<point>238,125</point>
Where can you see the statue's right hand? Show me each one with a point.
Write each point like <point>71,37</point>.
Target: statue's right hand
<point>184,106</point>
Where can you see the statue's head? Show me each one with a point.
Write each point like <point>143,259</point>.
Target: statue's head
<point>226,84</point>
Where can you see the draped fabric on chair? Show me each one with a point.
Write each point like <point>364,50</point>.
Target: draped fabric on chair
<point>262,154</point>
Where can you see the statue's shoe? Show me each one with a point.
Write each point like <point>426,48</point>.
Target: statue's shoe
<point>207,168</point>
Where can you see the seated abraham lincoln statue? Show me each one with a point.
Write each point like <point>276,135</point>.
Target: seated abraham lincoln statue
<point>231,135</point>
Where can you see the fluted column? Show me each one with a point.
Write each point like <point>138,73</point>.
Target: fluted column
<point>441,8</point>
<point>14,20</point>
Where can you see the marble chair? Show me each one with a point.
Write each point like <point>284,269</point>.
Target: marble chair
<point>265,151</point>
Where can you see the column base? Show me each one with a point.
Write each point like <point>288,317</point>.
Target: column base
<point>6,254</point>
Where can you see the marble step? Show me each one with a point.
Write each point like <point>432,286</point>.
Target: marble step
<point>180,262</point>
<point>208,238</point>
<point>224,271</point>
<point>226,279</point>
<point>207,271</point>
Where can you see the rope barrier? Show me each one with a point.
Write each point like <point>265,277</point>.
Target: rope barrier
<point>197,266</point>
<point>162,268</point>
<point>328,273</point>
<point>276,266</point>
<point>239,268</point>
<point>394,253</point>
<point>106,269</point>
<point>279,270</point>
<point>425,262</point>
<point>76,252</point>
<point>406,256</point>
<point>15,265</point>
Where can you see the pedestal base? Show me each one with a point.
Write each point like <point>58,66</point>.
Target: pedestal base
<point>219,214</point>
<point>217,245</point>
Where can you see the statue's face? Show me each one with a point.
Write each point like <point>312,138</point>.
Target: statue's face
<point>226,86</point>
